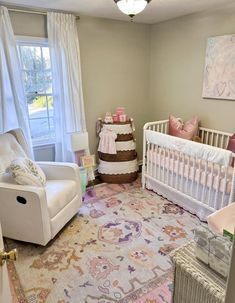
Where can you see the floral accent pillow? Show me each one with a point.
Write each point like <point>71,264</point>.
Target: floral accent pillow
<point>26,172</point>
<point>185,130</point>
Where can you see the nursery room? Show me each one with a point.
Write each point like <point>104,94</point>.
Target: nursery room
<point>117,149</point>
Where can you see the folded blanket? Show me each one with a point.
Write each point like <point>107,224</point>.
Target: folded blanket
<point>191,148</point>
<point>107,143</point>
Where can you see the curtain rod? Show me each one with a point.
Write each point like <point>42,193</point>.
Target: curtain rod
<point>36,12</point>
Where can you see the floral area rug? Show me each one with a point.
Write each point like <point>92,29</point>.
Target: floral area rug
<point>115,250</point>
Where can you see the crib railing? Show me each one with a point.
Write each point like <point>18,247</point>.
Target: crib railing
<point>158,126</point>
<point>214,137</point>
<point>205,182</point>
<point>208,136</point>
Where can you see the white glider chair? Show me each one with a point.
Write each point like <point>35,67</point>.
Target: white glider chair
<point>36,214</point>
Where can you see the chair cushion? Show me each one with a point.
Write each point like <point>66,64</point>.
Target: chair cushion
<point>59,194</point>
<point>26,172</point>
<point>10,149</point>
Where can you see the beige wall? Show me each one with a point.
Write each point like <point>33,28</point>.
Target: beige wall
<point>115,66</point>
<point>28,24</point>
<point>177,64</point>
<point>151,70</point>
<point>115,70</point>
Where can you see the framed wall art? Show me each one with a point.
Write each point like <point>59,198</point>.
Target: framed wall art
<point>219,73</point>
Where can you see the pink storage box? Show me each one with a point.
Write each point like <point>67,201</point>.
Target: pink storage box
<point>122,118</point>
<point>115,118</point>
<point>120,111</point>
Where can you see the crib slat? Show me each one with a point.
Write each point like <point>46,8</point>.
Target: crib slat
<point>164,165</point>
<point>202,135</point>
<point>154,162</point>
<point>188,172</point>
<point>217,187</point>
<point>177,172</point>
<point>222,142</point>
<point>217,140</point>
<point>151,159</point>
<point>212,139</point>
<point>159,163</point>
<point>169,166</point>
<point>148,157</point>
<point>173,169</point>
<point>193,177</point>
<point>165,128</point>
<point>224,187</point>
<point>199,178</point>
<point>205,183</point>
<point>211,183</point>
<point>182,175</point>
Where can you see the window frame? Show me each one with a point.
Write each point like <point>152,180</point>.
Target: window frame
<point>40,42</point>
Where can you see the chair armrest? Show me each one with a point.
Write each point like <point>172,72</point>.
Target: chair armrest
<point>25,218</point>
<point>60,171</point>
<point>39,191</point>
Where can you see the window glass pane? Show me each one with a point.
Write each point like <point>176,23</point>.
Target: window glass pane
<point>38,108</point>
<point>46,58</point>
<point>34,82</point>
<point>39,130</point>
<point>31,57</point>
<point>37,77</point>
<point>50,106</point>
<point>48,82</point>
<point>52,127</point>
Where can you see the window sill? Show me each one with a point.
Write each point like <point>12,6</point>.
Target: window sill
<point>43,145</point>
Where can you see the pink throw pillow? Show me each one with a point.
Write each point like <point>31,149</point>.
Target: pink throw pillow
<point>231,145</point>
<point>182,130</point>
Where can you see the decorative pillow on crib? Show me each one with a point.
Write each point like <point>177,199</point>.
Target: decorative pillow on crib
<point>182,130</point>
<point>26,172</point>
<point>231,145</point>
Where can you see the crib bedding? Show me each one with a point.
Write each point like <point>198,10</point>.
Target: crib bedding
<point>187,202</point>
<point>199,171</point>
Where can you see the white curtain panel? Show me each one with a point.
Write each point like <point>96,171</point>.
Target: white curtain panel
<point>13,104</point>
<point>67,82</point>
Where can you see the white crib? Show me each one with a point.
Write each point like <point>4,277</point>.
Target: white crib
<point>198,186</point>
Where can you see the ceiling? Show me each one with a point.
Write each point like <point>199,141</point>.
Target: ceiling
<point>156,11</point>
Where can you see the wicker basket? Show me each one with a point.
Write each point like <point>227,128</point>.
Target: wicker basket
<point>116,123</point>
<point>118,179</point>
<point>123,134</point>
<point>124,137</point>
<point>120,156</point>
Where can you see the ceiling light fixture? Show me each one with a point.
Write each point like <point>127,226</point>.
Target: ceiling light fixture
<point>131,7</point>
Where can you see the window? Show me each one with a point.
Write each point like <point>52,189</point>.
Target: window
<point>36,72</point>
